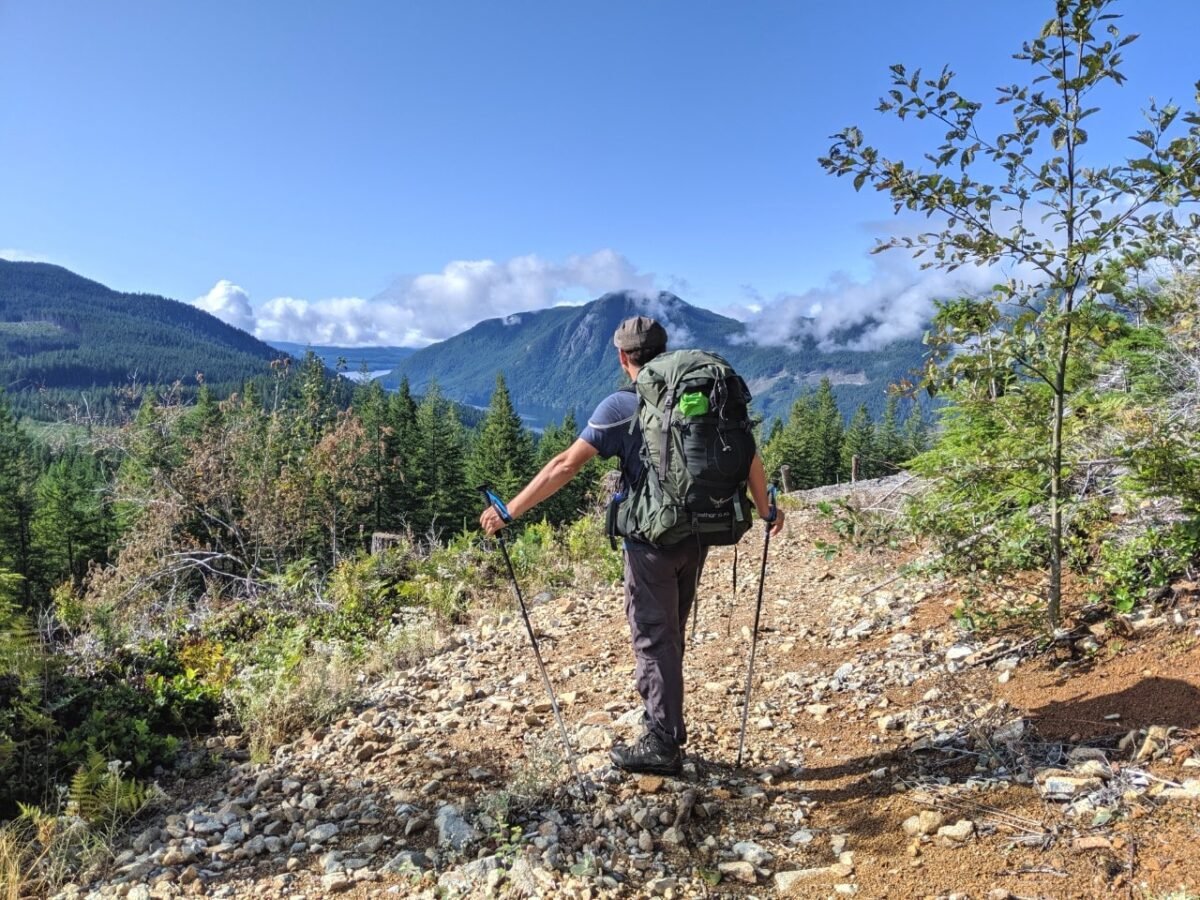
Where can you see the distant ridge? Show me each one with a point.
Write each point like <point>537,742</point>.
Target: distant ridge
<point>562,358</point>
<point>60,331</point>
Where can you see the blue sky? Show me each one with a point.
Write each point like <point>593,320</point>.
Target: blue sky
<point>359,172</point>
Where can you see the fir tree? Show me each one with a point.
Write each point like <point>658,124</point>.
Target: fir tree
<point>400,492</point>
<point>443,497</point>
<point>915,437</point>
<point>16,500</point>
<point>860,442</point>
<point>503,454</point>
<point>828,431</point>
<point>70,527</point>
<point>372,407</point>
<point>889,445</point>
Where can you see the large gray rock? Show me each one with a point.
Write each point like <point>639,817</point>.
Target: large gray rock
<point>322,833</point>
<point>407,861</point>
<point>454,831</point>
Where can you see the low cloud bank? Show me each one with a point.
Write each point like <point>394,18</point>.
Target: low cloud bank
<point>418,310</point>
<point>896,302</point>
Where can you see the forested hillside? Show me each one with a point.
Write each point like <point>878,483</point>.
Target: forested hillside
<point>61,332</point>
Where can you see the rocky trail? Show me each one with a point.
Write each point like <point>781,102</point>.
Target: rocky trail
<point>889,753</point>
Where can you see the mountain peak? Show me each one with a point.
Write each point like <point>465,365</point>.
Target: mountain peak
<point>637,302</point>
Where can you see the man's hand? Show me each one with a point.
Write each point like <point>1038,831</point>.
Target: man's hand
<point>490,521</point>
<point>776,525</point>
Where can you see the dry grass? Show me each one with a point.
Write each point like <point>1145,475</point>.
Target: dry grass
<point>273,707</point>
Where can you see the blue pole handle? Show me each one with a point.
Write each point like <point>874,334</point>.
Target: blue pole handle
<point>497,504</point>
<point>771,500</point>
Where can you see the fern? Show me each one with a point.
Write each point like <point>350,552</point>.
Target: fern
<point>100,796</point>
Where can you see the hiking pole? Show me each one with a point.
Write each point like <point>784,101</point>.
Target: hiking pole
<point>733,605</point>
<point>502,510</point>
<point>757,611</point>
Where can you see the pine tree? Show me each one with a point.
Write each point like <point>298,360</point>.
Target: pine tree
<point>70,527</point>
<point>828,434</point>
<point>503,454</point>
<point>372,407</point>
<point>442,494</point>
<point>915,437</point>
<point>860,442</point>
<point>793,445</point>
<point>400,494</point>
<point>16,500</point>
<point>889,445</point>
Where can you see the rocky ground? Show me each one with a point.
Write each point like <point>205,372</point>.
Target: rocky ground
<point>889,753</point>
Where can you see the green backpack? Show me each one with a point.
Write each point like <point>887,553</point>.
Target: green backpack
<point>697,447</point>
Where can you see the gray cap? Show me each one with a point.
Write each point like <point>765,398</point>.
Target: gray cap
<point>639,333</point>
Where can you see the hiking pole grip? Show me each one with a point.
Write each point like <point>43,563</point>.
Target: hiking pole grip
<point>496,503</point>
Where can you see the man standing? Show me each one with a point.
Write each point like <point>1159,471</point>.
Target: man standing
<point>660,582</point>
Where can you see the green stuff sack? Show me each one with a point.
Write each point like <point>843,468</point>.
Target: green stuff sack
<point>698,443</point>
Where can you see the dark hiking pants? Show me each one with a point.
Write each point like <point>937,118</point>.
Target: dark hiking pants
<point>660,587</point>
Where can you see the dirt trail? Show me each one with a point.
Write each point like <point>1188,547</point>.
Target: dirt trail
<point>867,711</point>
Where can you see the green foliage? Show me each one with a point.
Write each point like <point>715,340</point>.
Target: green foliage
<point>857,528</point>
<point>1131,571</point>
<point>100,796</point>
<point>502,453</point>
<point>1084,230</point>
<point>17,475</point>
<point>116,721</point>
<point>445,502</point>
<point>366,591</point>
<point>273,704</point>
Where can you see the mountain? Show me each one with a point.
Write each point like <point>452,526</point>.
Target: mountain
<point>377,360</point>
<point>59,330</point>
<point>559,359</point>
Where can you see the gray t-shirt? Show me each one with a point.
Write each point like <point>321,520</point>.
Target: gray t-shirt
<point>608,430</point>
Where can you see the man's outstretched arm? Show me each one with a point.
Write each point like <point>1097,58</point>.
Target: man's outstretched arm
<point>544,484</point>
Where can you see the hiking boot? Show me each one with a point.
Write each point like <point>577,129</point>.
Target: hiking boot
<point>648,754</point>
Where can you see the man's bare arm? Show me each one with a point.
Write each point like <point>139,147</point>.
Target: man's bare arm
<point>544,484</point>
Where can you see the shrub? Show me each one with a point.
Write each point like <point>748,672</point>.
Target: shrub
<point>1133,570</point>
<point>272,706</point>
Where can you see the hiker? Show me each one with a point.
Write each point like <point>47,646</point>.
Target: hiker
<point>660,581</point>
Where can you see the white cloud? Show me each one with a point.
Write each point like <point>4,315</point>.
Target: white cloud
<point>896,302</point>
<point>658,306</point>
<point>14,255</point>
<point>229,303</point>
<point>421,309</point>
<point>340,321</point>
<point>468,291</point>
